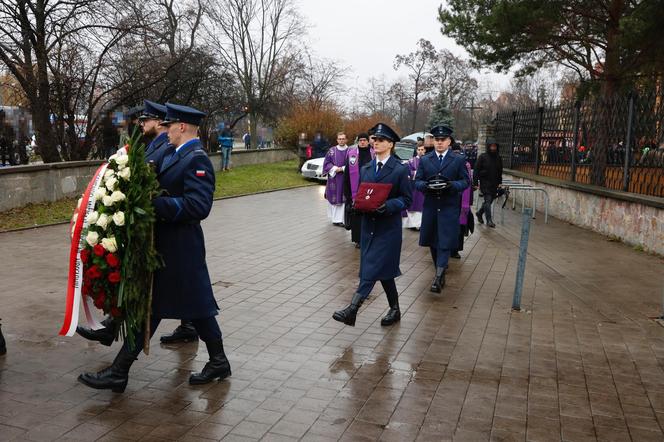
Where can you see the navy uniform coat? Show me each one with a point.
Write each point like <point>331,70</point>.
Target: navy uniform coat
<point>440,215</point>
<point>182,288</point>
<point>155,151</point>
<point>380,241</point>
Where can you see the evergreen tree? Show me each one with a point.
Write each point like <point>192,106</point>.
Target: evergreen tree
<point>441,114</point>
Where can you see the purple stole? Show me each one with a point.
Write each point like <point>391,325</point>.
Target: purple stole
<point>354,167</point>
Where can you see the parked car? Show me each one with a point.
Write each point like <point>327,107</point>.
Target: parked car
<point>404,150</point>
<point>313,169</point>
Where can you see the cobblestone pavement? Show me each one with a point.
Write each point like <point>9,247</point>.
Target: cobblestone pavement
<point>582,361</point>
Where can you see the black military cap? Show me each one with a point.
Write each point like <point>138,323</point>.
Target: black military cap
<point>385,131</point>
<point>176,113</point>
<point>441,131</point>
<point>152,111</point>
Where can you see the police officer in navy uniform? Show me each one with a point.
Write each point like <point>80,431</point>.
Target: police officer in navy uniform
<point>441,176</point>
<point>182,288</point>
<point>150,119</point>
<point>380,238</point>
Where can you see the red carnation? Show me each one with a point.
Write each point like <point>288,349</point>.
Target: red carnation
<point>99,250</point>
<point>116,312</point>
<point>87,289</point>
<point>114,277</point>
<point>85,256</point>
<point>93,272</point>
<point>112,260</point>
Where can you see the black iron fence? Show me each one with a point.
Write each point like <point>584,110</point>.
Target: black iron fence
<point>615,142</point>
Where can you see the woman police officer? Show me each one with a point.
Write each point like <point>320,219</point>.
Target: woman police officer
<point>380,242</point>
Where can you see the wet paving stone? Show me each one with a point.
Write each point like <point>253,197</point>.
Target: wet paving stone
<point>581,361</point>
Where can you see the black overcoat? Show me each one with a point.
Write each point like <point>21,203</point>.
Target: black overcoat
<point>440,214</point>
<point>380,242</point>
<point>182,288</point>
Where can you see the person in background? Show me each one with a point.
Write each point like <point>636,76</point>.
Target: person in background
<point>466,216</point>
<point>357,157</point>
<point>334,166</point>
<point>226,146</point>
<point>488,177</point>
<point>413,216</point>
<point>246,138</point>
<point>428,143</point>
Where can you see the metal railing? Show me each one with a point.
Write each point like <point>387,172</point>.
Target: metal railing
<point>614,142</point>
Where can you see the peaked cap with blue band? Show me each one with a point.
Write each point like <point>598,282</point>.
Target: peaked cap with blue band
<point>385,131</point>
<point>441,131</point>
<point>152,111</point>
<point>176,113</point>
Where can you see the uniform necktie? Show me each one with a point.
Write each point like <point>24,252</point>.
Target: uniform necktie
<point>379,166</point>
<point>440,159</point>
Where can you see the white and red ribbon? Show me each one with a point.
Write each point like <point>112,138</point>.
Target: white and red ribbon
<point>75,279</point>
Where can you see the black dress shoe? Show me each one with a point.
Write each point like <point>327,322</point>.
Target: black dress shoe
<point>479,217</point>
<point>394,315</point>
<point>438,280</point>
<point>491,224</point>
<point>217,367</point>
<point>349,314</point>
<point>455,255</point>
<point>185,332</point>
<point>104,336</point>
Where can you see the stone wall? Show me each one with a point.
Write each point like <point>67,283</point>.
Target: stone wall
<point>637,220</point>
<point>21,185</point>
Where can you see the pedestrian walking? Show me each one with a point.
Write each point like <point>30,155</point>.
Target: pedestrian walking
<point>466,221</point>
<point>413,215</point>
<point>182,288</point>
<point>246,138</point>
<point>380,239</point>
<point>357,157</point>
<point>334,166</point>
<point>226,145</point>
<point>488,177</point>
<point>441,176</point>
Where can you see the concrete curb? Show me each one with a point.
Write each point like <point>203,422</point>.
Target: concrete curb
<point>20,229</point>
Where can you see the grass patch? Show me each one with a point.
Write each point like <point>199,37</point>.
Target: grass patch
<point>38,214</point>
<point>238,181</point>
<point>259,177</point>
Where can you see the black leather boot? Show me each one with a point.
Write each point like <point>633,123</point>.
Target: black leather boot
<point>104,336</point>
<point>217,367</point>
<point>3,344</point>
<point>479,217</point>
<point>394,314</point>
<point>185,332</point>
<point>116,376</point>
<point>348,315</point>
<point>438,280</point>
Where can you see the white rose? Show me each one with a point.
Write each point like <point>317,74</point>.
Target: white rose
<point>92,217</point>
<point>117,196</point>
<point>110,183</point>
<point>109,173</point>
<point>92,238</point>
<point>122,160</point>
<point>125,174</point>
<point>110,244</point>
<point>100,193</point>
<point>103,221</point>
<point>121,166</point>
<point>108,201</point>
<point>119,218</point>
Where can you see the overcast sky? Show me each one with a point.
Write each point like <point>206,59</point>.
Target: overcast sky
<point>367,34</point>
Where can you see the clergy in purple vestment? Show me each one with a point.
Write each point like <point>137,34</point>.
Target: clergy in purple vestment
<point>413,215</point>
<point>334,166</point>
